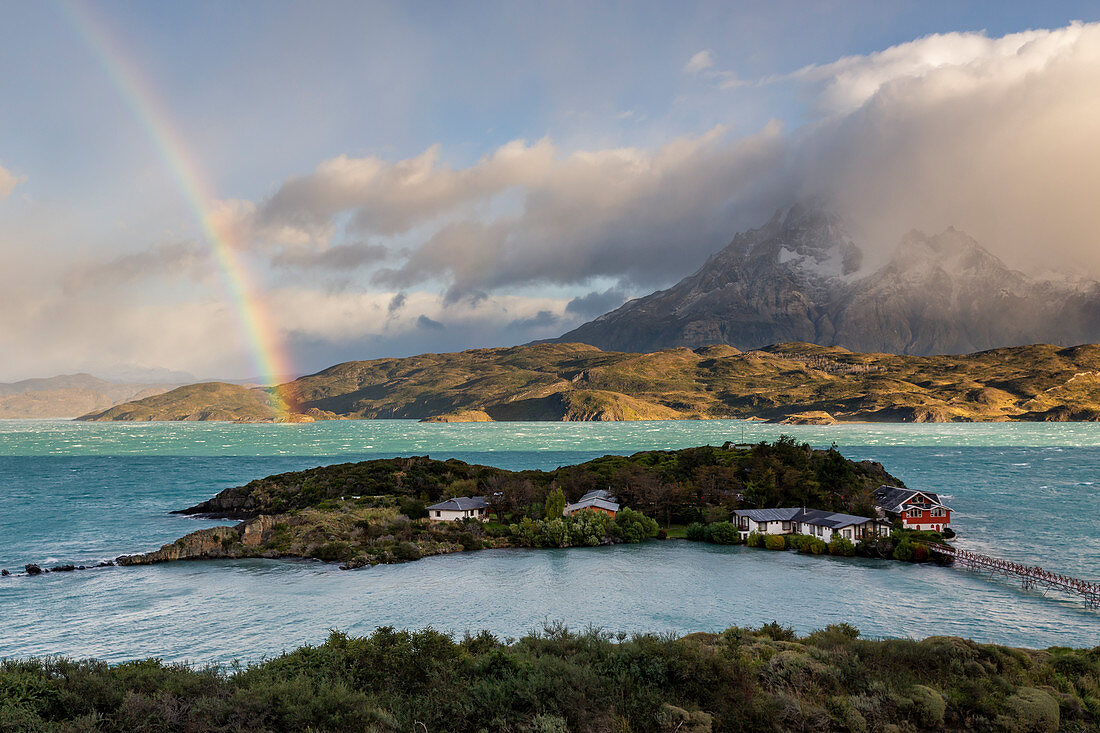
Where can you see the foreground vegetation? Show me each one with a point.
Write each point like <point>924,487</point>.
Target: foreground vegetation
<point>376,511</point>
<point>788,382</point>
<point>556,681</point>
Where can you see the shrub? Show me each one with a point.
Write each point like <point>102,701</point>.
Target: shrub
<point>904,551</point>
<point>775,542</point>
<point>331,551</point>
<point>1031,711</point>
<point>841,547</point>
<point>776,632</point>
<point>412,508</point>
<point>755,539</point>
<point>696,532</point>
<point>928,706</point>
<point>635,526</point>
<point>407,551</point>
<point>468,541</point>
<point>724,533</point>
<point>662,534</point>
<point>920,552</point>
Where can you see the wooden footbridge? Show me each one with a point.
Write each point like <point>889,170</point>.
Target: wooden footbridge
<point>1031,576</point>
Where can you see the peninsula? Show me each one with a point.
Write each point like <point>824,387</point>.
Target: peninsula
<point>794,383</point>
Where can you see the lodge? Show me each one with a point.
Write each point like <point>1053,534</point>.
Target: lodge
<point>814,522</point>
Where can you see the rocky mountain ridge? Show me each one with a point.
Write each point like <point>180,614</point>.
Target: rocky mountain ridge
<point>801,277</point>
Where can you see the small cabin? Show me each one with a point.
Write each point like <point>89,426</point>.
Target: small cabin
<point>920,510</point>
<point>460,507</point>
<point>594,501</point>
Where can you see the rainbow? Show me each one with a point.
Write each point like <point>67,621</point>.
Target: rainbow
<point>268,352</point>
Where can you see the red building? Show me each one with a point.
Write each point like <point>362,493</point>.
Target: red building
<point>915,509</point>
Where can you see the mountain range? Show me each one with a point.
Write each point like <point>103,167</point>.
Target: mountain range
<point>802,278</point>
<point>798,382</point>
<point>68,395</point>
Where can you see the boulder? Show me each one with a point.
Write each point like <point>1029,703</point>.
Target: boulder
<point>32,569</point>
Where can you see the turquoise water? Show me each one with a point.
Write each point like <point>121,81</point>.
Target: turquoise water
<point>81,492</point>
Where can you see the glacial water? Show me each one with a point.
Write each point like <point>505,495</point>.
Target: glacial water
<point>78,492</point>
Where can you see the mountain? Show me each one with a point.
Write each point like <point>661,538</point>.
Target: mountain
<point>795,382</point>
<point>801,277</point>
<point>68,395</point>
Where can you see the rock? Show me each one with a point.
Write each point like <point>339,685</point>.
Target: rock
<point>4,572</point>
<point>215,542</point>
<point>32,569</point>
<point>63,568</point>
<point>106,564</point>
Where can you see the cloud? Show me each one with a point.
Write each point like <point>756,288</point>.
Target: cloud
<point>992,135</point>
<point>595,303</point>
<point>173,260</point>
<point>699,62</point>
<point>8,182</point>
<point>542,319</point>
<point>427,324</point>
<point>397,302</point>
<point>339,258</point>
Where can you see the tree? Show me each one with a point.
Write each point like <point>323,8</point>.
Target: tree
<point>555,504</point>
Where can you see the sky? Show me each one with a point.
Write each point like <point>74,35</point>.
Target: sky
<point>249,189</point>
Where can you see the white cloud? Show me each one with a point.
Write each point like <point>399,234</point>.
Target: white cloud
<point>8,182</point>
<point>700,62</point>
<point>993,135</point>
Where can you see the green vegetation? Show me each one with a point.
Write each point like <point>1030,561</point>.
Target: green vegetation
<point>557,680</point>
<point>799,383</point>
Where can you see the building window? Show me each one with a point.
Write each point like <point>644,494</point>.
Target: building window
<point>786,526</point>
<point>438,513</point>
<point>915,513</point>
<point>937,512</point>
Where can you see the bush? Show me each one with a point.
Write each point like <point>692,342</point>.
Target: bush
<point>412,508</point>
<point>755,539</point>
<point>407,551</point>
<point>776,632</point>
<point>332,551</point>
<point>920,553</point>
<point>841,547</point>
<point>775,542</point>
<point>635,526</point>
<point>724,533</point>
<point>1031,711</point>
<point>904,551</point>
<point>697,532</point>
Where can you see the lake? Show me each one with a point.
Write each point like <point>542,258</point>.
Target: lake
<point>82,492</point>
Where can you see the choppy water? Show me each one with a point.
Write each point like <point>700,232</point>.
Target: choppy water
<point>77,492</point>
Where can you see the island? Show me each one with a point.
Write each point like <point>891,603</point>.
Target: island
<point>402,509</point>
<point>793,383</point>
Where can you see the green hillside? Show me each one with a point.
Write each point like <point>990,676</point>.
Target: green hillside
<point>788,382</point>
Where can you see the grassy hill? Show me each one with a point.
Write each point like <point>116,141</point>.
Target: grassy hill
<point>788,382</point>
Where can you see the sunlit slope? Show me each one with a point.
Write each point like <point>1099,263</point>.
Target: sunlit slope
<point>577,382</point>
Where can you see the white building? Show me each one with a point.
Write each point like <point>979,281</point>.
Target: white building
<point>460,507</point>
<point>814,522</point>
